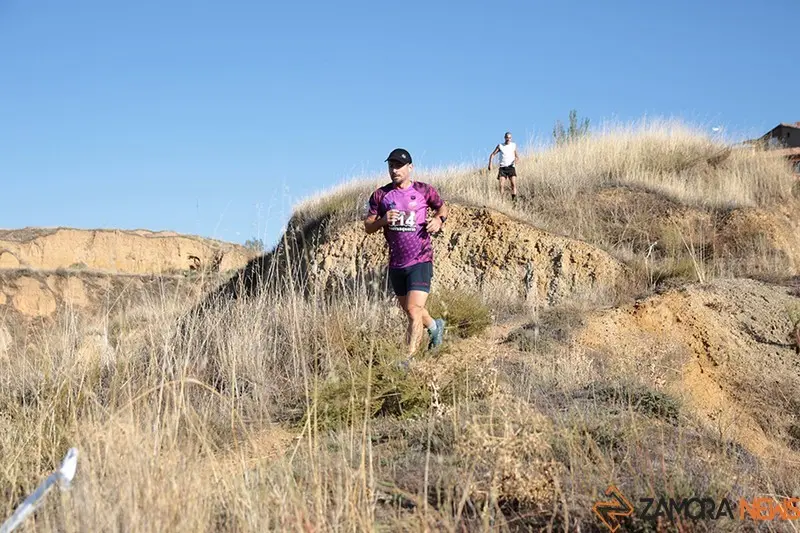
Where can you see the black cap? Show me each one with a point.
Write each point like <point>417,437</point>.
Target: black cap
<point>400,155</point>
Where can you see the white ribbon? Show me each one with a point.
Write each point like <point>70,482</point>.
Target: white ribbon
<point>63,476</point>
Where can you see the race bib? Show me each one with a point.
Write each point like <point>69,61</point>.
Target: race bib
<point>406,221</point>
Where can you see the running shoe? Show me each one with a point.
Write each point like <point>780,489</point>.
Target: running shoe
<point>437,336</point>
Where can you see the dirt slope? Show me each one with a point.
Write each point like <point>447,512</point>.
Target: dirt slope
<point>724,348</point>
<point>130,252</point>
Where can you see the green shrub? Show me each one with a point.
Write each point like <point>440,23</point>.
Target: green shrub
<point>465,312</point>
<point>342,401</point>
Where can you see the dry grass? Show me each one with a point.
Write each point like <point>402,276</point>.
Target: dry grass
<point>615,422</point>
<point>284,412</point>
<point>251,417</point>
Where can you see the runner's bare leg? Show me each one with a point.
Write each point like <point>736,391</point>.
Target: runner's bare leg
<point>418,316</point>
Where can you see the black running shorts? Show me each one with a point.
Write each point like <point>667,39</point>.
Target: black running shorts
<point>413,278</point>
<point>506,172</point>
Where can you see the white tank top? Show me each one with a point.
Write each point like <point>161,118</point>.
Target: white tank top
<point>507,153</point>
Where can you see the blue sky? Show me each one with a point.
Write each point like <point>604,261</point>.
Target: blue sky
<point>213,118</point>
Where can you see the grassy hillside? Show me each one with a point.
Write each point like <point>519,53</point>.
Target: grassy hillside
<point>657,190</point>
<point>282,412</point>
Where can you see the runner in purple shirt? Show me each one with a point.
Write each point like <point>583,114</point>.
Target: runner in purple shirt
<point>400,208</point>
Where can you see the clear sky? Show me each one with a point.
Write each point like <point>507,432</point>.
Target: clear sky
<point>213,118</point>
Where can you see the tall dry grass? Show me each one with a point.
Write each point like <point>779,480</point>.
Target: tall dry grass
<point>224,421</point>
<point>284,411</point>
<point>177,428</point>
<point>667,157</point>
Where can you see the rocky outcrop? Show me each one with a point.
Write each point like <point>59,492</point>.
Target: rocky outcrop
<point>130,252</point>
<point>26,295</point>
<point>478,248</point>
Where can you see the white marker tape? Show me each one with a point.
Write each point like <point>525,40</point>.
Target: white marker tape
<point>63,476</point>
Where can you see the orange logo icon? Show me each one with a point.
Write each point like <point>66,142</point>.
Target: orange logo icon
<point>610,511</point>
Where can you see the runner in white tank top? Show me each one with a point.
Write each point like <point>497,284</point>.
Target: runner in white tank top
<point>508,156</point>
<point>508,153</point>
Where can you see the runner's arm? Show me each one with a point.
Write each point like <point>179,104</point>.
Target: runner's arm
<point>440,208</point>
<point>496,150</point>
<point>373,223</point>
<point>441,212</point>
<point>436,223</point>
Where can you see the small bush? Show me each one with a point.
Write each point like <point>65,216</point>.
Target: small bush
<point>641,399</point>
<point>465,312</point>
<point>392,392</point>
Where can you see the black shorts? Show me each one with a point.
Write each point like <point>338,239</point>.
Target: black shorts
<point>413,278</point>
<point>506,172</point>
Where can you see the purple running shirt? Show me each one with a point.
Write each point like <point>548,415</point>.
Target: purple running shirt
<point>409,242</point>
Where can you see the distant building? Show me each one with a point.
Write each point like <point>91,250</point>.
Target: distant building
<point>784,141</point>
<point>782,136</point>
